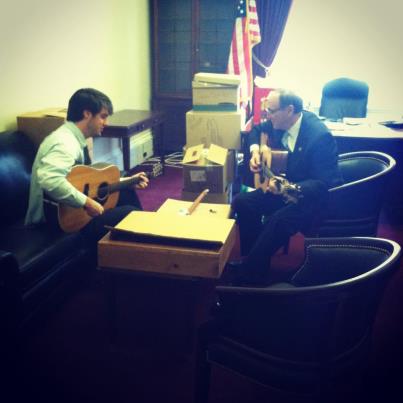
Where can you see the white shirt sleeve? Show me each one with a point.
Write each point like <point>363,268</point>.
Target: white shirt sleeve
<point>55,165</point>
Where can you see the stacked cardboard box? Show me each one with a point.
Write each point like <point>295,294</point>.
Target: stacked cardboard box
<point>37,125</point>
<point>216,117</point>
<point>213,129</point>
<point>215,92</point>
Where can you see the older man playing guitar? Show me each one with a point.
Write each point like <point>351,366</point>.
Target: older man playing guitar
<point>289,204</point>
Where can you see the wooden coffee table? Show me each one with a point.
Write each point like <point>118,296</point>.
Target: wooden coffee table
<point>200,266</point>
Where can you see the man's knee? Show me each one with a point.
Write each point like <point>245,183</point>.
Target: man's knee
<point>240,203</point>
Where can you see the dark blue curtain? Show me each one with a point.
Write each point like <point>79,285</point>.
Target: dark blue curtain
<point>273,15</point>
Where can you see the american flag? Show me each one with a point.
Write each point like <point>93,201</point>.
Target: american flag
<point>246,34</point>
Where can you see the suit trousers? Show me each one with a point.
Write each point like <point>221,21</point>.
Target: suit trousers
<point>266,222</point>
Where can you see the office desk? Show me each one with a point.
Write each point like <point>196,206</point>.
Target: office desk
<point>376,137</point>
<point>372,131</point>
<point>128,122</point>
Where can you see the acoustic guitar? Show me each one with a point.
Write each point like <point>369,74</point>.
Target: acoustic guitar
<point>259,179</point>
<point>102,183</point>
<point>273,166</point>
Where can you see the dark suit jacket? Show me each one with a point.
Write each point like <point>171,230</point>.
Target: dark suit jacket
<point>313,163</point>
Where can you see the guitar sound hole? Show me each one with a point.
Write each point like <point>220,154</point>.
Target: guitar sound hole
<point>102,193</point>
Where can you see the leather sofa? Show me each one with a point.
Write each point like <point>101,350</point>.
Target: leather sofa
<point>38,265</point>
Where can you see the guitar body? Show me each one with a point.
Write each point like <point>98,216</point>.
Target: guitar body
<point>277,164</point>
<point>272,160</point>
<point>93,181</point>
<point>259,180</point>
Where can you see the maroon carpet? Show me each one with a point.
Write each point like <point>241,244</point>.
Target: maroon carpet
<point>168,185</point>
<point>69,357</point>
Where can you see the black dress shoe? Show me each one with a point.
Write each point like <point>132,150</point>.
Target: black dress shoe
<point>236,274</point>
<point>249,280</point>
<point>232,270</point>
<point>234,264</point>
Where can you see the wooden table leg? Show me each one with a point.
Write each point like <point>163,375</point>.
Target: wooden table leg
<point>126,153</point>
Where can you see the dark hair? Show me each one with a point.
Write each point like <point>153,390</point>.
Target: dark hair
<point>87,99</point>
<point>290,98</point>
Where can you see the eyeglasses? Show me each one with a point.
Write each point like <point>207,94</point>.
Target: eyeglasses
<point>272,111</point>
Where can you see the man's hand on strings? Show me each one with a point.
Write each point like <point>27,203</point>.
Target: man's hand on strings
<point>143,183</point>
<point>265,152</point>
<point>255,162</point>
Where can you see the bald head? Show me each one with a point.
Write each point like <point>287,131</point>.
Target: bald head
<point>283,108</point>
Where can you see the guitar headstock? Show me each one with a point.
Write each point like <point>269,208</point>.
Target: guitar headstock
<point>291,192</point>
<point>157,170</point>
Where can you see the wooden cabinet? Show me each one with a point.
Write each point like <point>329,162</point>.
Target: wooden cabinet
<point>189,36</point>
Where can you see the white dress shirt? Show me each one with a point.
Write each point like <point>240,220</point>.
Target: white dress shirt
<point>57,154</point>
<point>290,137</point>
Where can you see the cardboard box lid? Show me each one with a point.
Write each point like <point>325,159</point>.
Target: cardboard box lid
<point>218,86</point>
<point>193,154</point>
<point>58,113</point>
<point>215,154</point>
<point>51,112</point>
<point>174,226</point>
<point>177,207</point>
<point>229,79</point>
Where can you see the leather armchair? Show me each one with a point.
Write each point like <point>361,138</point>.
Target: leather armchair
<point>344,97</point>
<point>300,337</point>
<point>354,207</point>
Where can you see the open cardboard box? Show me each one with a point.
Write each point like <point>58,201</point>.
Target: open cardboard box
<point>211,168</point>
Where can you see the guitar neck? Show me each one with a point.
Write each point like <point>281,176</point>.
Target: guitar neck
<point>123,183</point>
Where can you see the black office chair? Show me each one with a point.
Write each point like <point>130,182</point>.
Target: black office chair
<point>302,337</point>
<point>344,97</point>
<point>354,207</point>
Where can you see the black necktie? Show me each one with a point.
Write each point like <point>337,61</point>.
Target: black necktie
<point>87,158</point>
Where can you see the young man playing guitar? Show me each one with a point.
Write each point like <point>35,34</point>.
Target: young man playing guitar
<point>59,153</point>
<point>289,204</point>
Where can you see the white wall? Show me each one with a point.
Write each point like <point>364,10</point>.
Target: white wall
<point>326,39</point>
<point>50,48</point>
